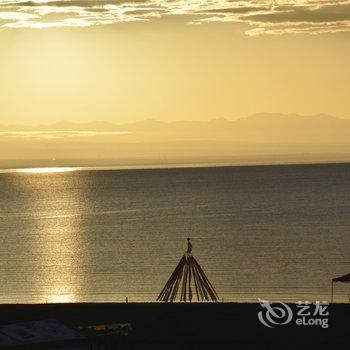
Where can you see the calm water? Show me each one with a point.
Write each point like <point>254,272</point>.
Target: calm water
<point>274,232</point>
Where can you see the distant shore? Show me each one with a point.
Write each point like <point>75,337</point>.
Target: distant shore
<point>192,326</point>
<point>10,166</point>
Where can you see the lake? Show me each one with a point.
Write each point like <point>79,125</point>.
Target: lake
<point>276,232</point>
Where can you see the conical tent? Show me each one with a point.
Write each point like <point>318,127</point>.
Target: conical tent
<point>188,280</point>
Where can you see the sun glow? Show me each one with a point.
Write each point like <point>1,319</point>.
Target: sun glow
<point>46,170</point>
<point>59,298</point>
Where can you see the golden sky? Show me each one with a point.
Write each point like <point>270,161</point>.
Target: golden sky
<point>123,61</point>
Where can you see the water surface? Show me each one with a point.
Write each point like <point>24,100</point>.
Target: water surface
<point>273,232</point>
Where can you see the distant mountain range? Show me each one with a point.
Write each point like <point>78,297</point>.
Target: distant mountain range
<point>261,128</point>
<point>258,138</point>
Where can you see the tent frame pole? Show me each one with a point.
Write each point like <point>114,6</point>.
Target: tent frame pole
<point>188,273</point>
<point>332,287</point>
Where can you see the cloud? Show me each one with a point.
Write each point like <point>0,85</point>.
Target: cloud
<point>260,16</point>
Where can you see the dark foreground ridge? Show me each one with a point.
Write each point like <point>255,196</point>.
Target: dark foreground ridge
<point>192,326</point>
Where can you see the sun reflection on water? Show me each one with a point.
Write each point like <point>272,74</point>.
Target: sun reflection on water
<point>59,298</point>
<point>57,241</point>
<point>46,170</point>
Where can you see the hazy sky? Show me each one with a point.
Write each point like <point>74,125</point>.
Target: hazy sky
<point>122,61</point>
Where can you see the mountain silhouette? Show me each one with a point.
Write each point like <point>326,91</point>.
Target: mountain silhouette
<point>261,137</point>
<point>263,127</point>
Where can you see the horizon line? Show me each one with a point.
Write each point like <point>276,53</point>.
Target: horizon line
<point>69,169</point>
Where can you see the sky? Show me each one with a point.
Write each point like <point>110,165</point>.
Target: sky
<point>123,61</point>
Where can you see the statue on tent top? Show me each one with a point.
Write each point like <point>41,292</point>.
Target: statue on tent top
<point>189,246</point>
<point>188,277</point>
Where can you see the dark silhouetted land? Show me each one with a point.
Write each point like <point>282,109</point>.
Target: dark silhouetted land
<point>193,326</point>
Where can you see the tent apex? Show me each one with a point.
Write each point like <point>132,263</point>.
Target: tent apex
<point>189,246</point>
